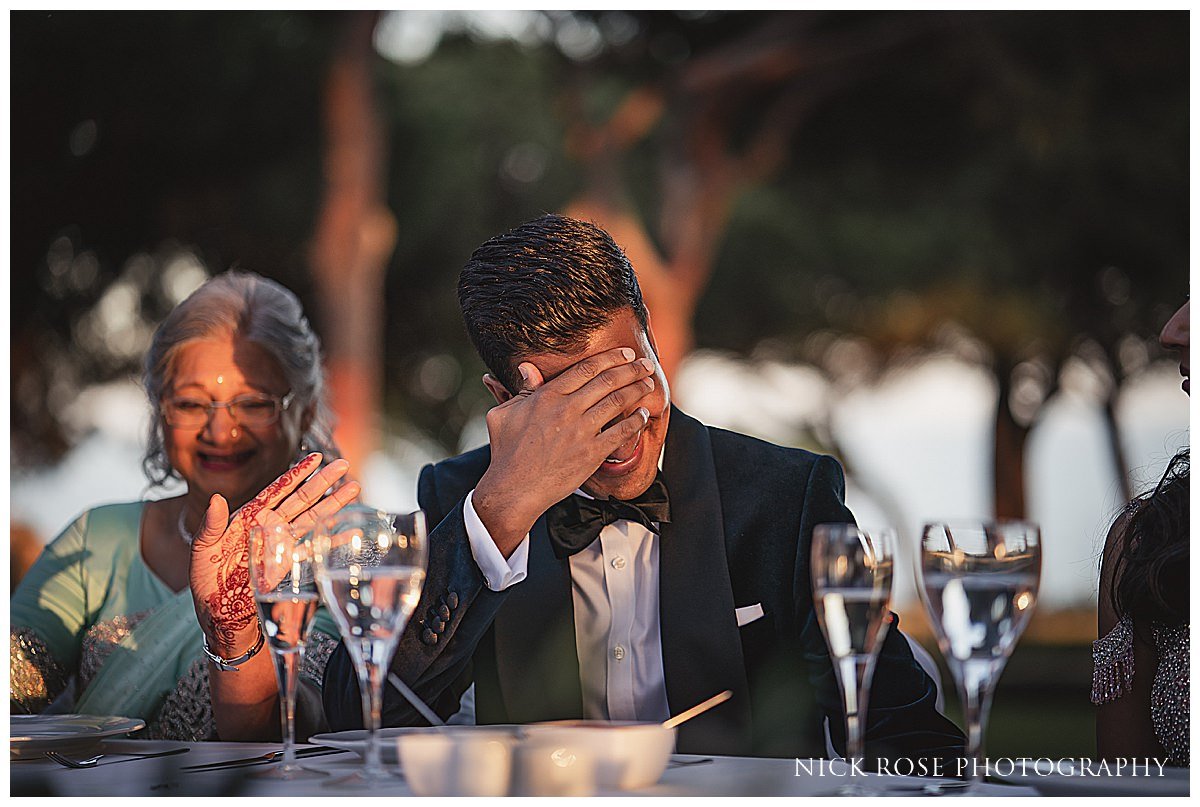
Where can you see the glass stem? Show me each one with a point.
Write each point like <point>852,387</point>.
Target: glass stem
<point>855,677</point>
<point>977,690</point>
<point>370,685</point>
<point>286,671</point>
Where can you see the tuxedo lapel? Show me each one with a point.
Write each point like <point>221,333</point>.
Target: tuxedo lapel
<point>702,650</point>
<point>536,660</point>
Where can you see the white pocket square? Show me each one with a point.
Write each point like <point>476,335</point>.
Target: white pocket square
<point>748,614</point>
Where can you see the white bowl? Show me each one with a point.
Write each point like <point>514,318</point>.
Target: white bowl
<point>627,754</point>
<point>457,761</point>
<point>553,763</point>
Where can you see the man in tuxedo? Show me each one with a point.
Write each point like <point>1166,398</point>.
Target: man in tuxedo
<point>608,557</point>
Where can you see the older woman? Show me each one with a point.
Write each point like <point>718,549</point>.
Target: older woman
<point>144,609</point>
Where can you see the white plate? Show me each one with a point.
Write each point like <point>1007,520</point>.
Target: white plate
<point>1070,778</point>
<point>356,739</point>
<point>34,735</point>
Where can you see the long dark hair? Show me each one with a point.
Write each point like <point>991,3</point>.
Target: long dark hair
<point>1151,572</point>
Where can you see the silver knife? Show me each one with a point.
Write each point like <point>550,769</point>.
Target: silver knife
<point>263,759</point>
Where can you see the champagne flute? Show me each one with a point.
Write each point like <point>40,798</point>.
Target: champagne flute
<point>370,567</point>
<point>285,593</point>
<point>852,592</point>
<point>979,584</point>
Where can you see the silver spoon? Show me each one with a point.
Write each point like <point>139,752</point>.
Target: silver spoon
<point>91,762</point>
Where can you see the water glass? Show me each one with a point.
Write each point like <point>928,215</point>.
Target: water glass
<point>370,568</point>
<point>852,593</point>
<point>979,583</point>
<point>285,592</point>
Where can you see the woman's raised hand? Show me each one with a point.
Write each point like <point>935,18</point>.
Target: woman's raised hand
<point>219,571</point>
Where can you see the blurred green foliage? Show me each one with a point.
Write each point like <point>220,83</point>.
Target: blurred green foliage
<point>1023,174</point>
<point>1016,153</point>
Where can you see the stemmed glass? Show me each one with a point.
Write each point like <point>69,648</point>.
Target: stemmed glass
<point>852,592</point>
<point>281,574</point>
<point>979,584</point>
<point>370,567</point>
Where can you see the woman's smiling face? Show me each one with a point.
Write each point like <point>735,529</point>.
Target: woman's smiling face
<point>223,456</point>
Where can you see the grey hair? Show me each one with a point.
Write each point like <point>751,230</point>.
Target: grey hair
<point>249,307</point>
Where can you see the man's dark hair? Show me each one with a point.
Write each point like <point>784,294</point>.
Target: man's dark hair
<point>543,287</point>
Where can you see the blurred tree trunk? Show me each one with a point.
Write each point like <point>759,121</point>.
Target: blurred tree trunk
<point>670,297</point>
<point>734,114</point>
<point>1116,447</point>
<point>355,236</point>
<point>1008,468</point>
<point>701,177</point>
<point>1012,436</point>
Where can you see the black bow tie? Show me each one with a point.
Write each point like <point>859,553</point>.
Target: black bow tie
<point>575,522</point>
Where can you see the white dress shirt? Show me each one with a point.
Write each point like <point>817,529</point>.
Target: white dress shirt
<point>614,590</point>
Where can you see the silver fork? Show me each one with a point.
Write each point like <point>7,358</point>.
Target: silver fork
<point>91,762</point>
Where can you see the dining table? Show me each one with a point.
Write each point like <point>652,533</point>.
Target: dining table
<point>118,774</point>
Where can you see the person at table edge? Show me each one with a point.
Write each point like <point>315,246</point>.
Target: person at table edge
<point>652,617</point>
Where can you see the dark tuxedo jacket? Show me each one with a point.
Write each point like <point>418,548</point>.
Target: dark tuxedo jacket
<point>742,517</point>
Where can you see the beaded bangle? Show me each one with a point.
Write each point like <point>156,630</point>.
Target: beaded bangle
<point>231,664</point>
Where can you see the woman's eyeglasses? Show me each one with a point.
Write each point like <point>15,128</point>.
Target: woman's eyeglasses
<point>246,410</point>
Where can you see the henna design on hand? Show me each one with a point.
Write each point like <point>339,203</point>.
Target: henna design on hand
<point>231,606</point>
<point>250,510</point>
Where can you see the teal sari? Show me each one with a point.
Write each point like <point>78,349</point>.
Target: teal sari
<point>91,610</point>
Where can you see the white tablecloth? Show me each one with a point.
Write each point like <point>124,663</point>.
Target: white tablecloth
<point>722,776</point>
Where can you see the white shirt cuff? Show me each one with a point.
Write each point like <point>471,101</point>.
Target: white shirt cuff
<point>499,573</point>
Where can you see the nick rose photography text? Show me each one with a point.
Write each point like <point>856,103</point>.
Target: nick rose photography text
<point>1002,766</point>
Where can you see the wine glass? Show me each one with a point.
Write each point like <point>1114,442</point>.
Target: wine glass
<point>370,567</point>
<point>979,584</point>
<point>852,592</point>
<point>281,574</point>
